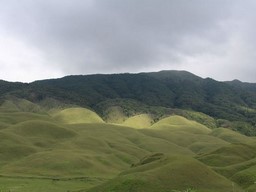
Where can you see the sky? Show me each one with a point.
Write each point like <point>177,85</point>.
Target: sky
<point>42,39</point>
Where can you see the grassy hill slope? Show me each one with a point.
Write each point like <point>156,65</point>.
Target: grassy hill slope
<point>167,174</point>
<point>76,116</point>
<point>74,149</point>
<point>139,121</point>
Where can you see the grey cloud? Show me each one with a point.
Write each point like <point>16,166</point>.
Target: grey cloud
<point>94,36</point>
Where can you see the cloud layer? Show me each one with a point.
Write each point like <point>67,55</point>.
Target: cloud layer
<point>45,38</point>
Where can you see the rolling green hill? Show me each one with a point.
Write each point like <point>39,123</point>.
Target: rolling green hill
<point>76,116</point>
<point>73,149</point>
<point>166,131</point>
<point>139,121</point>
<point>168,174</point>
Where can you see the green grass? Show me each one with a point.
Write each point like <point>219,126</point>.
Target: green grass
<point>54,150</point>
<point>25,184</point>
<point>14,147</point>
<point>228,155</point>
<point>198,117</point>
<point>139,121</point>
<point>40,129</point>
<point>20,105</point>
<point>179,123</point>
<point>245,178</point>
<point>80,149</point>
<point>230,170</point>
<point>206,144</point>
<point>66,163</point>
<point>8,106</point>
<point>167,174</point>
<point>76,116</point>
<point>185,133</point>
<point>231,136</point>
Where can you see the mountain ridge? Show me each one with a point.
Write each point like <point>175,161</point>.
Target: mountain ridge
<point>234,101</point>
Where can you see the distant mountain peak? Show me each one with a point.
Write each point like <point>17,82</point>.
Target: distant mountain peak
<point>236,81</point>
<point>175,75</point>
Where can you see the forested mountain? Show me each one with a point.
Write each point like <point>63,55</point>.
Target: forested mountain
<point>234,100</point>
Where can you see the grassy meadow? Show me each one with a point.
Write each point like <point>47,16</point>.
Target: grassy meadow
<point>73,149</point>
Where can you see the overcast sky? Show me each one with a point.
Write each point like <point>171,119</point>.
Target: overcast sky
<point>42,39</point>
